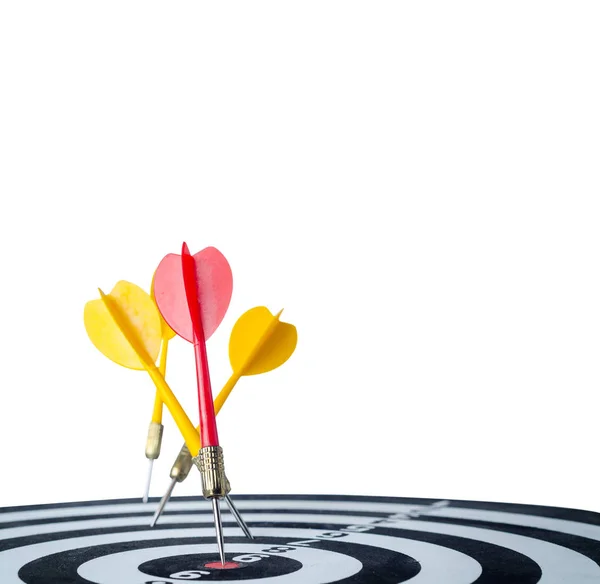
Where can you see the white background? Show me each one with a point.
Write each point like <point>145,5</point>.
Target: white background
<point>416,183</point>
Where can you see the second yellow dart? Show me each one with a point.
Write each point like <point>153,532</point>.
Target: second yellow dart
<point>155,429</point>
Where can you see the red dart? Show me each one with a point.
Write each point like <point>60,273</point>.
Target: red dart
<point>193,294</point>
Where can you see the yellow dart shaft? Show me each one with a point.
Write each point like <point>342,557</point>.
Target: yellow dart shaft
<point>157,412</point>
<point>189,433</point>
<point>227,389</point>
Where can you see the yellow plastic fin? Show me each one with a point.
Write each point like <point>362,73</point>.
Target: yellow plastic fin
<point>137,308</point>
<point>259,342</point>
<point>275,351</point>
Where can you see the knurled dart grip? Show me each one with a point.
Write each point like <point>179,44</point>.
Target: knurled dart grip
<point>211,465</point>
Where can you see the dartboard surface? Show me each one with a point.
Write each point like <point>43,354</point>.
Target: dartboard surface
<point>301,539</point>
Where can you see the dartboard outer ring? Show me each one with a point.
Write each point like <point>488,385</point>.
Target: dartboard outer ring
<point>301,539</point>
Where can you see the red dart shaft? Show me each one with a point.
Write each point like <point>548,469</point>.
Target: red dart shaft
<point>208,423</point>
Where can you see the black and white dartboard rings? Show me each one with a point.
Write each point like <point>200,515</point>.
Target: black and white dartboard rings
<point>301,540</point>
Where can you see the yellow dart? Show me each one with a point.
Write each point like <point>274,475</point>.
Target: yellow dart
<point>155,428</point>
<point>259,343</point>
<point>125,326</point>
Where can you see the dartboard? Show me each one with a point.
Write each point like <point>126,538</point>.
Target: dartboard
<point>301,539</point>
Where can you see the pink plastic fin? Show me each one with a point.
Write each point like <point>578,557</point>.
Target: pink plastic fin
<point>214,287</point>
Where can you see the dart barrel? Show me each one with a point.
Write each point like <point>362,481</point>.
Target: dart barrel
<point>211,465</point>
<point>182,465</point>
<point>154,440</point>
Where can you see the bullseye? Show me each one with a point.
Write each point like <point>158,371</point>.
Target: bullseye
<point>219,566</point>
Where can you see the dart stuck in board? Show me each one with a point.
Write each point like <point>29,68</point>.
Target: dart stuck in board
<point>190,295</point>
<point>201,302</point>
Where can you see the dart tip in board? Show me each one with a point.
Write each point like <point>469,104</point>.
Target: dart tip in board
<point>219,529</point>
<point>220,566</point>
